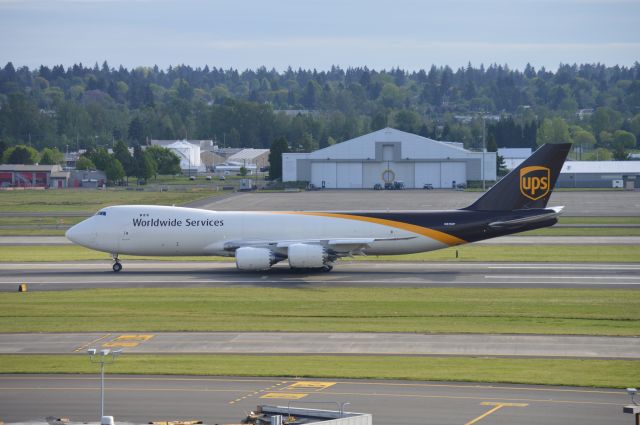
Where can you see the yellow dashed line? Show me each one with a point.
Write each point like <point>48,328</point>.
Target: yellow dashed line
<point>258,392</point>
<point>87,345</point>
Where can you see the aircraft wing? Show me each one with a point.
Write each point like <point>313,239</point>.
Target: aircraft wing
<point>341,246</point>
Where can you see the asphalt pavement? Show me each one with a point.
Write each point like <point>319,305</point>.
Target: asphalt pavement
<point>165,274</point>
<point>140,399</point>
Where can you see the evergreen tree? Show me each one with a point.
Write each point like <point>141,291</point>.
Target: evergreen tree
<point>136,131</point>
<point>143,165</point>
<point>278,147</point>
<point>121,153</point>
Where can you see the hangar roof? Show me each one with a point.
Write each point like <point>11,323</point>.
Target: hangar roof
<point>413,146</point>
<point>248,154</point>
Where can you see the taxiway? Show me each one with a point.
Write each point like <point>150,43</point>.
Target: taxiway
<point>141,399</point>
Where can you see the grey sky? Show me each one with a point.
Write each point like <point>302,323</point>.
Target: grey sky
<point>242,34</point>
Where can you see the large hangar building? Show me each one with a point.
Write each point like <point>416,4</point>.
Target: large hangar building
<point>388,156</point>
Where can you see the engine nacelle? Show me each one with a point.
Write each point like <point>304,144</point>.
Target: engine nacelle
<point>306,256</point>
<point>249,258</point>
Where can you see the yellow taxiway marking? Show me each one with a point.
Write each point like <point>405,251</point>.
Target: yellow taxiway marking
<point>128,340</point>
<point>87,345</point>
<point>285,396</point>
<point>310,385</point>
<point>496,406</point>
<point>256,392</point>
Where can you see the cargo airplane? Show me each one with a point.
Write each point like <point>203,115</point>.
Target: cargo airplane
<point>315,240</point>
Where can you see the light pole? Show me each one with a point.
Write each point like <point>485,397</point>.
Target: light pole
<point>103,357</point>
<point>484,148</point>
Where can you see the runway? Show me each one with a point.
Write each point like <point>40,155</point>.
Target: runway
<point>326,343</point>
<point>159,274</point>
<point>140,399</point>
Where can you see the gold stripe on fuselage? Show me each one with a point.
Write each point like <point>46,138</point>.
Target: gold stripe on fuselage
<point>445,238</point>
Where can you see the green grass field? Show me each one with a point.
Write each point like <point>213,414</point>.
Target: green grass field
<point>422,310</point>
<point>569,372</point>
<point>89,201</point>
<point>506,253</point>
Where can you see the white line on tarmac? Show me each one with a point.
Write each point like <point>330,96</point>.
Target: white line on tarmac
<point>515,276</point>
<point>336,282</point>
<point>560,267</point>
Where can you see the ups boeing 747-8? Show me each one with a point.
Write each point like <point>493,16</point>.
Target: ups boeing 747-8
<point>315,240</point>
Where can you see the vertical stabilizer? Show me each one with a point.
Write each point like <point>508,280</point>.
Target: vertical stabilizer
<point>528,186</point>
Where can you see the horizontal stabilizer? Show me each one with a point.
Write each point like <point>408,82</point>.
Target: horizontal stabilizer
<point>549,214</point>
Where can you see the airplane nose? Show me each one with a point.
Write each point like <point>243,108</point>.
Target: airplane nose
<point>81,234</point>
<point>73,233</point>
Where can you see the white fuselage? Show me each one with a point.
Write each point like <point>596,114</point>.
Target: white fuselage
<point>177,231</point>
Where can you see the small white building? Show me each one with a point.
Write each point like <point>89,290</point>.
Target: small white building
<point>600,174</point>
<point>257,157</point>
<point>388,156</point>
<point>189,154</point>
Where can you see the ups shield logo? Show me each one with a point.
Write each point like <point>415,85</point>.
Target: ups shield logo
<point>534,182</point>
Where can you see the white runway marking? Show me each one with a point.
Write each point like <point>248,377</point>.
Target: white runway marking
<point>539,280</point>
<point>560,277</point>
<point>608,267</point>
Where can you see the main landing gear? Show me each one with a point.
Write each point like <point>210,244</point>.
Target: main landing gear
<point>327,268</point>
<point>116,264</point>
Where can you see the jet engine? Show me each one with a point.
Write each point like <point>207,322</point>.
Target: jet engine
<point>307,256</point>
<point>249,258</point>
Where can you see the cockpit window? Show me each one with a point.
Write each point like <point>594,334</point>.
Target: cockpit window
<point>101,213</point>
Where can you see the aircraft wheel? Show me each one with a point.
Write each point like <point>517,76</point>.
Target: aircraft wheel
<point>117,267</point>
<point>327,268</point>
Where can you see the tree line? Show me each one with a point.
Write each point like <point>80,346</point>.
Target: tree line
<point>595,106</point>
<point>117,165</point>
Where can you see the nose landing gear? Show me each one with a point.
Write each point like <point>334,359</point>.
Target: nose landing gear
<point>116,264</point>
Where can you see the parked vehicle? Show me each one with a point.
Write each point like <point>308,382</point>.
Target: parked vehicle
<point>427,186</point>
<point>377,186</point>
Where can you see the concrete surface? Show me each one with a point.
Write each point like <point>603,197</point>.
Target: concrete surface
<point>319,343</point>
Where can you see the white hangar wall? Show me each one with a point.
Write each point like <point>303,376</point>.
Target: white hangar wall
<point>389,154</point>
